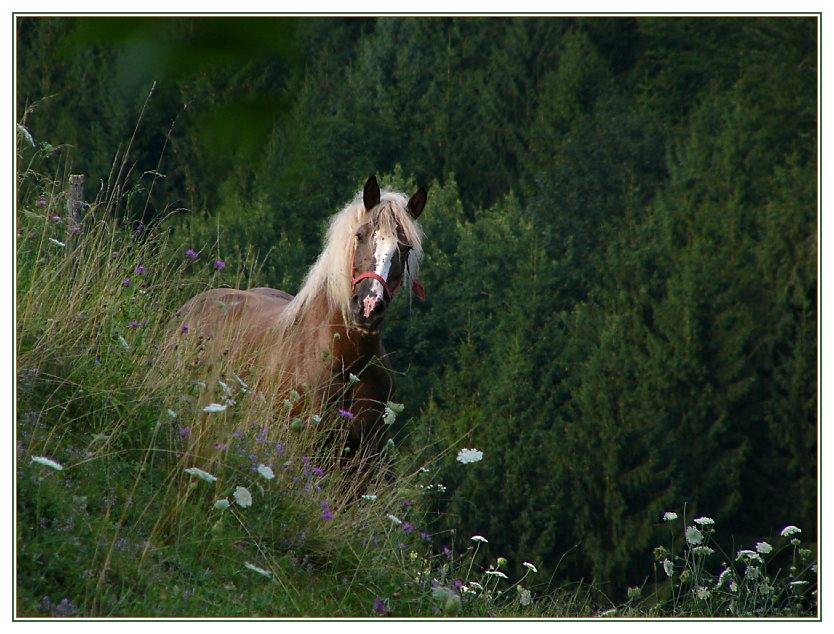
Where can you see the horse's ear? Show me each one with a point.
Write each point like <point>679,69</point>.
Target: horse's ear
<point>417,202</point>
<point>370,195</point>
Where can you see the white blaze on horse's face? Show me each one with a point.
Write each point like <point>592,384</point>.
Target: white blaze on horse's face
<point>384,251</point>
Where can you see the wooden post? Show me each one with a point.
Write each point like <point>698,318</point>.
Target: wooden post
<point>75,198</point>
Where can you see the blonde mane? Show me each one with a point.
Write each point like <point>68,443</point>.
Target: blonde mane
<point>330,277</point>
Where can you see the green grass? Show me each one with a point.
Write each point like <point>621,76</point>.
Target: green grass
<point>128,528</point>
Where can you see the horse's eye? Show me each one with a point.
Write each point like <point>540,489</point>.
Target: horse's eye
<point>360,237</point>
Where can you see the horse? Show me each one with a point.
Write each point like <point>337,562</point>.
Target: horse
<point>326,340</point>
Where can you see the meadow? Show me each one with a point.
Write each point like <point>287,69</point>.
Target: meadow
<point>148,486</point>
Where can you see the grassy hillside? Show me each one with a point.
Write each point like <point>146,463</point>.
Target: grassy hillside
<point>147,486</point>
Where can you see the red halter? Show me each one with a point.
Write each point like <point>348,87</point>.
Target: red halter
<point>416,286</point>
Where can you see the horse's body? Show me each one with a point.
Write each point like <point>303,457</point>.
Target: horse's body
<point>315,341</point>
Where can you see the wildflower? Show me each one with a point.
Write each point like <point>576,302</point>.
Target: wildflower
<point>219,265</point>
<point>221,446</point>
<point>141,270</point>
<point>47,462</point>
<point>525,597</point>
<point>408,527</point>
<point>190,253</point>
<point>763,547</point>
<point>479,538</point>
<point>530,566</point>
<point>633,592</point>
<point>134,324</point>
<point>58,242</point>
<point>380,607</point>
<point>260,571</point>
<point>395,519</point>
<point>265,471</point>
<point>346,414</point>
<point>725,574</point>
<point>56,218</point>
<point>352,378</point>
<point>199,473</point>
<point>126,282</point>
<point>389,416</point>
<point>124,342</point>
<point>369,497</point>
<point>140,228</point>
<point>425,536</point>
<point>41,202</point>
<point>465,456</point>
<point>495,573</point>
<point>294,396</point>
<point>214,408</point>
<point>171,413</point>
<point>222,504</point>
<point>703,551</point>
<point>704,521</point>
<point>748,555</point>
<point>243,497</point>
<point>702,593</point>
<point>397,408</point>
<point>75,229</point>
<point>790,530</point>
<point>315,419</point>
<point>693,535</point>
<point>318,472</point>
<point>183,432</point>
<point>327,515</point>
<point>670,516</point>
<point>184,329</point>
<point>668,567</point>
<point>476,585</point>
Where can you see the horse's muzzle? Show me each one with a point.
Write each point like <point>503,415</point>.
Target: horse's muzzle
<point>367,309</point>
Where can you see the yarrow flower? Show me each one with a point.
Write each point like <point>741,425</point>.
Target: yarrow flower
<point>530,566</point>
<point>763,547</point>
<point>703,551</point>
<point>670,516</point>
<point>222,504</point>
<point>48,462</point>
<point>465,456</point>
<point>479,538</point>
<point>199,473</point>
<point>693,535</point>
<point>704,521</point>
<point>790,530</point>
<point>495,573</point>
<point>266,471</point>
<point>243,497</point>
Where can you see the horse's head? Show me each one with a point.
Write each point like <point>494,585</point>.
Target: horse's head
<point>380,256</point>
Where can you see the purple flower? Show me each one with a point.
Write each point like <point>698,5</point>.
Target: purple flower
<point>279,449</point>
<point>458,584</point>
<point>446,551</point>
<point>56,218</point>
<point>140,270</point>
<point>41,202</point>
<point>140,228</point>
<point>183,432</point>
<point>134,324</point>
<point>184,329</point>
<point>191,254</point>
<point>327,516</point>
<point>379,606</point>
<point>318,472</point>
<point>406,503</point>
<point>425,536</point>
<point>346,414</point>
<point>408,527</point>
<point>221,447</point>
<point>126,282</point>
<point>75,229</point>
<point>219,265</point>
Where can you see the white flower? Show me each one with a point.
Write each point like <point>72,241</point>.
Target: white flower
<point>214,408</point>
<point>668,567</point>
<point>389,417</point>
<point>476,585</point>
<point>225,387</point>
<point>242,384</point>
<point>260,571</point>
<point>47,462</point>
<point>124,342</point>
<point>315,418</point>
<point>725,574</point>
<point>525,597</point>
<point>790,530</point>
<point>763,547</point>
<point>465,456</point>
<point>693,535</point>
<point>266,471</point>
<point>199,473</point>
<point>530,566</point>
<point>748,555</point>
<point>54,241</point>
<point>243,497</point>
<point>352,378</point>
<point>479,538</point>
<point>607,613</point>
<point>703,551</point>
<point>702,593</point>
<point>670,516</point>
<point>222,504</point>
<point>369,498</point>
<point>495,573</point>
<point>704,521</point>
<point>397,408</point>
<point>171,413</point>
<point>395,519</point>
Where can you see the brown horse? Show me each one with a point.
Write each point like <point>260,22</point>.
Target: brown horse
<point>328,335</point>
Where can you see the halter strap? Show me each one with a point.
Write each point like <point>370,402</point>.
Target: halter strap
<point>416,287</point>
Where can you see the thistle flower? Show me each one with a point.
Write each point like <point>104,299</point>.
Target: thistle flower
<point>190,253</point>
<point>219,265</point>
<point>141,270</point>
<point>41,202</point>
<point>380,607</point>
<point>243,497</point>
<point>465,456</point>
<point>199,473</point>
<point>47,462</point>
